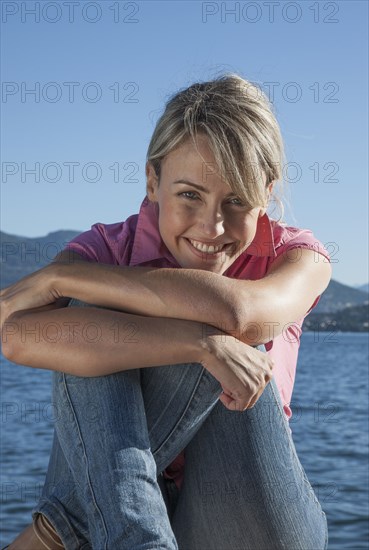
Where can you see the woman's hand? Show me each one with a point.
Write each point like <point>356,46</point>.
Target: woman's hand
<point>242,370</point>
<point>35,290</point>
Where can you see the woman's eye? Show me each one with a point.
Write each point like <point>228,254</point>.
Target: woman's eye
<point>188,195</point>
<point>236,201</point>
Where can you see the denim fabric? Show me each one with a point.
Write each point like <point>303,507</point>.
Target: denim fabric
<point>244,487</point>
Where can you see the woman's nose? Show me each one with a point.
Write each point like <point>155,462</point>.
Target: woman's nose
<point>212,225</point>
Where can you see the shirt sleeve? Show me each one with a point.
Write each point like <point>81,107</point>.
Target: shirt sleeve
<point>290,242</point>
<point>100,244</point>
<point>284,348</point>
<point>293,239</point>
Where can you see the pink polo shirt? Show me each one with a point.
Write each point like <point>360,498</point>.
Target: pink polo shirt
<point>137,242</point>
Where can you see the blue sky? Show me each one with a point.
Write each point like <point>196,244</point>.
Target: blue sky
<point>102,72</point>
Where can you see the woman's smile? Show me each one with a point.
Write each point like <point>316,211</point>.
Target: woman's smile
<point>209,250</point>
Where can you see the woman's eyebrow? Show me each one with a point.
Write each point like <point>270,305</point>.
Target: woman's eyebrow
<point>200,187</point>
<point>197,186</point>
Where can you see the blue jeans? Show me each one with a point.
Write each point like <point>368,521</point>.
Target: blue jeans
<point>244,487</point>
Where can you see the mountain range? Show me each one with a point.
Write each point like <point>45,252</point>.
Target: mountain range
<point>341,307</point>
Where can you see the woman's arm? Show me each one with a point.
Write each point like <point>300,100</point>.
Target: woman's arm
<point>93,342</point>
<point>254,311</point>
<point>89,341</point>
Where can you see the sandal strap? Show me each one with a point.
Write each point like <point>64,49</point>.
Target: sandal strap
<point>46,533</point>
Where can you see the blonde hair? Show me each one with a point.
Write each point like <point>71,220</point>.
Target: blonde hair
<point>243,133</point>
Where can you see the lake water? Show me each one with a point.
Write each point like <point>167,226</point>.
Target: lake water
<point>330,429</point>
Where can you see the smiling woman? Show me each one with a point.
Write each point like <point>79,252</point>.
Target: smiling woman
<point>183,295</point>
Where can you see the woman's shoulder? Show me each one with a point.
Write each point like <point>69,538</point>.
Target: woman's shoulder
<point>288,237</point>
<point>106,243</point>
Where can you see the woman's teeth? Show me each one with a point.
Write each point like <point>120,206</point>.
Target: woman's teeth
<point>207,249</point>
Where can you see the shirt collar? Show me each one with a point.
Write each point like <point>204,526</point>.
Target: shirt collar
<point>148,245</point>
<point>263,243</point>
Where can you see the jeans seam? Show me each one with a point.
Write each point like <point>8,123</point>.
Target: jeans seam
<point>183,414</point>
<point>280,411</point>
<point>65,385</point>
<point>293,449</point>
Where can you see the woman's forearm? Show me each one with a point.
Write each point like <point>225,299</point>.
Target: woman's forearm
<point>188,294</point>
<point>94,342</point>
<point>238,307</point>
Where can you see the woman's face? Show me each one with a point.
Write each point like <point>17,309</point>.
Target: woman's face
<point>201,221</point>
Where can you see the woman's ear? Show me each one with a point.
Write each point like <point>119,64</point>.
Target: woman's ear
<point>269,192</point>
<point>270,188</point>
<point>152,182</point>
